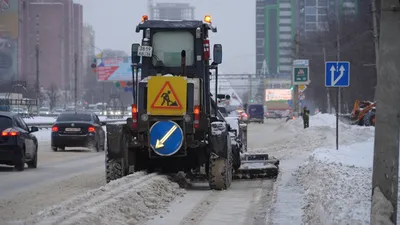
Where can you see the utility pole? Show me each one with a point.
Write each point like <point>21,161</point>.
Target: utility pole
<point>76,80</point>
<point>328,98</point>
<point>337,59</point>
<point>250,89</point>
<point>37,54</point>
<point>386,148</point>
<point>376,35</point>
<point>296,108</point>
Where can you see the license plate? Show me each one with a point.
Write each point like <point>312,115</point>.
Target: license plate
<point>145,51</point>
<point>72,129</point>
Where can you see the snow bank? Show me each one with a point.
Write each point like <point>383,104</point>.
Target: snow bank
<point>300,188</point>
<point>49,119</point>
<point>337,185</point>
<point>130,200</point>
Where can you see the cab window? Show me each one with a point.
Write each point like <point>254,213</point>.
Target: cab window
<point>167,48</point>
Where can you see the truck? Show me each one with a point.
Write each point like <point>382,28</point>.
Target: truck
<point>175,124</point>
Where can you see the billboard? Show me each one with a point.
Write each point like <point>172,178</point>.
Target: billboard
<point>9,25</point>
<point>278,94</point>
<point>114,69</point>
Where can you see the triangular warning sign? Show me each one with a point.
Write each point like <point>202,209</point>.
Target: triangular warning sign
<point>166,98</point>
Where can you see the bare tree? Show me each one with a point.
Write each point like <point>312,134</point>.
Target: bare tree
<point>357,47</point>
<point>53,94</point>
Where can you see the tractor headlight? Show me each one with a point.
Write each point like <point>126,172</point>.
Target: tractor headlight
<point>187,118</point>
<point>144,117</point>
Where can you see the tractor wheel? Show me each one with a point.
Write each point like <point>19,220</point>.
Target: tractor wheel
<point>369,119</point>
<point>236,158</point>
<point>118,167</point>
<point>220,173</point>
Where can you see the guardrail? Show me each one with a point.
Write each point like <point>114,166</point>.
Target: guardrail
<point>47,125</point>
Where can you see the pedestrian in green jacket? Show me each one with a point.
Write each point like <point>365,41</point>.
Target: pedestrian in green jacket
<point>306,117</point>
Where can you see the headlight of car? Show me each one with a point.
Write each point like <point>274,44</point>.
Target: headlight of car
<point>118,113</point>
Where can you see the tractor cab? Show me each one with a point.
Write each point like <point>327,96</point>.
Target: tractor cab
<point>175,47</point>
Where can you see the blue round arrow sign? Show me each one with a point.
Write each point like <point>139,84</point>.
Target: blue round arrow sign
<point>166,137</point>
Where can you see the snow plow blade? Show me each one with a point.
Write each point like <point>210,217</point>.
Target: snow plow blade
<point>257,165</point>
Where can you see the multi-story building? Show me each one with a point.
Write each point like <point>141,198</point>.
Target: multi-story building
<point>56,25</point>
<point>171,11</point>
<point>43,29</point>
<point>88,51</point>
<point>78,47</point>
<point>314,14</point>
<point>275,29</point>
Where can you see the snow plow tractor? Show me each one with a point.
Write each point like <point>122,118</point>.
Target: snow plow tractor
<point>172,128</point>
<point>175,125</point>
<point>363,113</point>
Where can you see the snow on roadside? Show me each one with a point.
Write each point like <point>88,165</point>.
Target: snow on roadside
<point>49,119</point>
<point>289,193</point>
<point>337,186</point>
<point>130,200</point>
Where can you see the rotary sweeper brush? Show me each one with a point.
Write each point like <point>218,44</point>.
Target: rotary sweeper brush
<point>257,165</point>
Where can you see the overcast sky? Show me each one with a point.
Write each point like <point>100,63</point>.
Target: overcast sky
<point>114,23</point>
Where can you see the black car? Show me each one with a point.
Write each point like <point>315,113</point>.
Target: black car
<point>17,143</point>
<point>78,129</point>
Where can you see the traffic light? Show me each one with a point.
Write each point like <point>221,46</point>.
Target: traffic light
<point>94,65</point>
<point>251,100</point>
<point>291,88</point>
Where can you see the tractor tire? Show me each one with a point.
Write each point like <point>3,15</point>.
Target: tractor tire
<point>369,119</point>
<point>118,167</point>
<point>220,173</point>
<point>236,158</point>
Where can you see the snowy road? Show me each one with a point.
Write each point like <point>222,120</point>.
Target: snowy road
<point>246,202</point>
<point>63,175</point>
<point>59,175</point>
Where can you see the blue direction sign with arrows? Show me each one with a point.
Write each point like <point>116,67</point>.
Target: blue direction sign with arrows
<point>166,138</point>
<point>337,74</point>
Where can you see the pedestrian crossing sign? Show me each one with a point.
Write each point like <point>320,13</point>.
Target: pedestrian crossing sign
<point>166,95</point>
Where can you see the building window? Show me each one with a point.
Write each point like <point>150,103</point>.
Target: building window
<point>322,18</point>
<point>311,10</point>
<point>311,26</point>
<point>311,2</point>
<point>311,19</point>
<point>323,3</point>
<point>259,42</point>
<point>260,27</point>
<point>260,11</point>
<point>260,34</point>
<point>323,11</point>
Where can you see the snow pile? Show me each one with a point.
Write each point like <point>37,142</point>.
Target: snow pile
<point>337,185</point>
<point>129,200</point>
<point>49,119</point>
<point>298,188</point>
<point>40,119</point>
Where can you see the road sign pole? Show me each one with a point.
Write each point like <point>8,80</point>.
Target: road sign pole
<point>337,117</point>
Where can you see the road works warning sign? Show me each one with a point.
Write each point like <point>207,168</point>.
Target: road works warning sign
<point>167,96</point>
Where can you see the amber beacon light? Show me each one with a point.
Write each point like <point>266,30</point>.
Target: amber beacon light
<point>145,18</point>
<point>207,19</point>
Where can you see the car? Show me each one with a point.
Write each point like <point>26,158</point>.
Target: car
<point>44,111</point>
<point>78,129</point>
<point>57,111</point>
<point>256,113</point>
<point>18,145</point>
<point>19,111</point>
<point>273,115</point>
